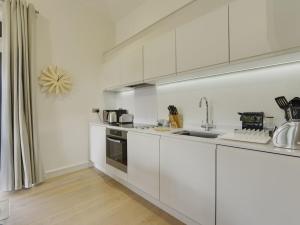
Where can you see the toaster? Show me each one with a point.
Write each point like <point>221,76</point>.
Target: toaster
<point>126,118</point>
<point>288,135</point>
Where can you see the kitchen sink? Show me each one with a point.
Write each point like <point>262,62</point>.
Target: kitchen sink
<point>197,134</point>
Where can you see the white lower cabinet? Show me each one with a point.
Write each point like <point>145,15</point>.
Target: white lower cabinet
<point>97,145</point>
<point>143,162</point>
<point>257,188</point>
<point>187,178</point>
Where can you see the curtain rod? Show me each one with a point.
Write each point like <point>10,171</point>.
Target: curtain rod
<point>36,11</point>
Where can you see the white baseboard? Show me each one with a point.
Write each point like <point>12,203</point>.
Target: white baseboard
<point>67,169</point>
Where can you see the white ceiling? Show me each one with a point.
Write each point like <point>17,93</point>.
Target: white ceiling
<point>115,9</point>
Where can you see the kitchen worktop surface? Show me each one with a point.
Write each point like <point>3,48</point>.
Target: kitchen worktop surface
<point>218,141</point>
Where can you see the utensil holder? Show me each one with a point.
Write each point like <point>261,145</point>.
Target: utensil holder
<point>176,121</point>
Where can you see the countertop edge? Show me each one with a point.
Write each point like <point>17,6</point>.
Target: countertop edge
<point>267,148</point>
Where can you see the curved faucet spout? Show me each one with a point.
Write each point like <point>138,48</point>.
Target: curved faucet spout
<point>207,125</point>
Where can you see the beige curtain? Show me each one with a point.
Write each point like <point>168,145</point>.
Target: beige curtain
<point>20,162</point>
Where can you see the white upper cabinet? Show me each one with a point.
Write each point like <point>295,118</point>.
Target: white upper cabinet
<point>131,65</point>
<point>112,72</point>
<point>204,41</point>
<point>257,188</point>
<point>187,178</point>
<point>159,56</point>
<point>259,27</point>
<point>143,162</point>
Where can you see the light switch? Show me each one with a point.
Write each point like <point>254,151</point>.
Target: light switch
<point>4,210</point>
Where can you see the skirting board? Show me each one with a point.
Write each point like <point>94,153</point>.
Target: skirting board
<point>67,169</point>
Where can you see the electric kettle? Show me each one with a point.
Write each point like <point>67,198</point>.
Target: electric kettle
<point>112,117</point>
<point>288,135</point>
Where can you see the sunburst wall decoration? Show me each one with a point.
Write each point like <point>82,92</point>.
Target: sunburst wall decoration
<point>55,80</point>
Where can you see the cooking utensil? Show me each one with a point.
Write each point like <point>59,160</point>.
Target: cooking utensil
<point>284,104</point>
<point>295,102</point>
<point>295,108</point>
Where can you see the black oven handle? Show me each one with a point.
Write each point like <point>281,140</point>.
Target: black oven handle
<point>114,140</point>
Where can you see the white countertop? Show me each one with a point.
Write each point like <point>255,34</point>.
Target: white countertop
<point>217,141</point>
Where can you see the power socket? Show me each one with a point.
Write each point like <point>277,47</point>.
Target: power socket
<point>95,110</point>
<point>4,210</point>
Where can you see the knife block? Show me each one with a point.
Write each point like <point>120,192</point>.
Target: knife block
<point>176,121</point>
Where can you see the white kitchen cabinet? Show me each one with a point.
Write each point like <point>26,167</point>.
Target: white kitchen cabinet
<point>97,145</point>
<point>187,178</point>
<point>131,65</point>
<point>160,56</point>
<point>258,27</point>
<point>143,162</point>
<point>112,72</point>
<point>203,41</point>
<point>257,188</point>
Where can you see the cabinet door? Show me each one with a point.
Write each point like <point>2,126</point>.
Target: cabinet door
<point>263,26</point>
<point>204,41</point>
<point>187,178</point>
<point>159,56</point>
<point>132,65</point>
<point>112,72</point>
<point>256,188</point>
<point>143,162</point>
<point>98,146</point>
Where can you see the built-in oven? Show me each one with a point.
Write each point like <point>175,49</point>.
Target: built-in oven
<point>116,149</point>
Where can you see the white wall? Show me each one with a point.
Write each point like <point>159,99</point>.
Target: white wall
<point>145,15</point>
<point>72,35</point>
<point>239,92</point>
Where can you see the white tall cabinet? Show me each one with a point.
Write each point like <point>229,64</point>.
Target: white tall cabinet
<point>204,41</point>
<point>97,145</point>
<point>159,56</point>
<point>258,27</point>
<point>187,178</point>
<point>143,162</point>
<point>257,188</point>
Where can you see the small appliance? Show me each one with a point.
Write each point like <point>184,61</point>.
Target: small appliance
<point>252,120</point>
<point>113,116</point>
<point>288,134</point>
<point>126,119</point>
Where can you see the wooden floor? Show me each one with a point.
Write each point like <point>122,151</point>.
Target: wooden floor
<point>83,198</point>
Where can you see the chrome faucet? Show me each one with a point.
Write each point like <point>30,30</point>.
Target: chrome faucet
<point>207,125</point>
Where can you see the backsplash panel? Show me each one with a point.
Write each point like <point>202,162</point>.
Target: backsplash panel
<point>248,91</point>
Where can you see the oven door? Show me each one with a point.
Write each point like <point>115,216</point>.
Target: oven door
<point>116,153</point>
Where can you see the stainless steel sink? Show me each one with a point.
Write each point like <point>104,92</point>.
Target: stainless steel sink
<point>197,134</point>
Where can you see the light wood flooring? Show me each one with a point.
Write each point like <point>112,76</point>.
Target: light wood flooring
<point>83,198</point>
